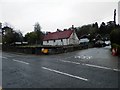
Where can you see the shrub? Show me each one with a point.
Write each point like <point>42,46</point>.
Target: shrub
<point>115,36</point>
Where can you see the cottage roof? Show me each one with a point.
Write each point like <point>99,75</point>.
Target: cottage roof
<point>58,35</point>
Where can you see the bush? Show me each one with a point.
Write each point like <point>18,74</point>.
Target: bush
<point>115,36</point>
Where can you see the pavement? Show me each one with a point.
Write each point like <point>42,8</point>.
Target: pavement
<point>89,68</point>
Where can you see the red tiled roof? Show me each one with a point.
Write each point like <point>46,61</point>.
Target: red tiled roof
<point>58,35</point>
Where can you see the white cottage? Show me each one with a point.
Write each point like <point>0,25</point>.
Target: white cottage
<point>66,37</point>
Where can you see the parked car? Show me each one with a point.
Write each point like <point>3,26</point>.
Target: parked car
<point>100,43</point>
<point>84,42</point>
<point>107,43</point>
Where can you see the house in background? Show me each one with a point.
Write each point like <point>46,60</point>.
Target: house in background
<point>66,37</point>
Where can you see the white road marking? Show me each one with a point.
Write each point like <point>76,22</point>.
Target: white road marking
<point>70,75</point>
<point>14,54</point>
<point>90,65</point>
<point>116,70</point>
<point>70,62</point>
<point>3,57</point>
<point>68,57</point>
<point>20,61</point>
<point>97,66</point>
<point>102,67</point>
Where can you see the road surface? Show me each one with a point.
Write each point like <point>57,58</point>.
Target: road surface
<point>90,68</point>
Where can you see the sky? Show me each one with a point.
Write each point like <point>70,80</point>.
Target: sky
<point>119,12</point>
<point>53,14</point>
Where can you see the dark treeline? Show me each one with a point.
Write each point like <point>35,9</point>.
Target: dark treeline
<point>93,29</point>
<point>36,36</point>
<point>9,35</point>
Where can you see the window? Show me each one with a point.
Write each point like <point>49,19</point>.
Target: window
<point>61,40</point>
<point>47,41</point>
<point>54,40</point>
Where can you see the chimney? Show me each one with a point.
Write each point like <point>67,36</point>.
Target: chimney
<point>72,26</point>
<point>58,30</point>
<point>65,29</point>
<point>48,33</point>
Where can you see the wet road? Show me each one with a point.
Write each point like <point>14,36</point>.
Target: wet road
<point>90,68</point>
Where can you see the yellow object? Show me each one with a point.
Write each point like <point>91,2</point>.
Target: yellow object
<point>45,51</point>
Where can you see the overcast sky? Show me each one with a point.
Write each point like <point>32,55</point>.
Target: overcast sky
<point>53,14</point>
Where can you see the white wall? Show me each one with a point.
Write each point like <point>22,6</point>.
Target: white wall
<point>65,41</point>
<point>44,42</point>
<point>50,42</point>
<point>57,42</point>
<point>73,39</point>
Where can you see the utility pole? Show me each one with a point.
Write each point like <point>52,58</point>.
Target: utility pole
<point>115,16</point>
<point>119,12</point>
